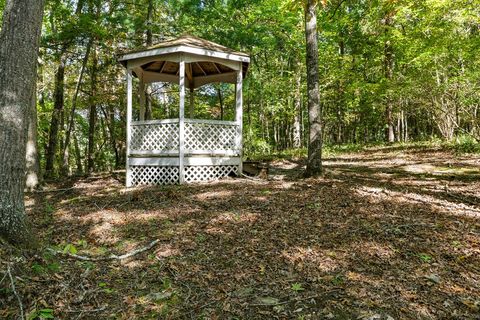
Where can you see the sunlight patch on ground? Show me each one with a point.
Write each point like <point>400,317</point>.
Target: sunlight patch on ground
<point>306,258</point>
<point>443,206</point>
<point>104,233</point>
<point>375,250</point>
<point>213,195</point>
<point>219,223</point>
<point>166,250</point>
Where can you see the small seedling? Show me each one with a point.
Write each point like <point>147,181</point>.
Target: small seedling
<point>338,280</point>
<point>70,248</point>
<point>425,257</point>
<point>297,287</point>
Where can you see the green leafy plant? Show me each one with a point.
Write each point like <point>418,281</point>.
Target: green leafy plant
<point>41,314</point>
<point>338,280</point>
<point>105,288</point>
<point>297,287</point>
<point>425,257</point>
<point>70,248</point>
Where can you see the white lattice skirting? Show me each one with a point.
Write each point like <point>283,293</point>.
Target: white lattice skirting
<point>208,173</point>
<point>154,175</point>
<point>165,175</point>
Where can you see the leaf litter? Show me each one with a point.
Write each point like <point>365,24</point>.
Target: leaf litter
<point>382,235</point>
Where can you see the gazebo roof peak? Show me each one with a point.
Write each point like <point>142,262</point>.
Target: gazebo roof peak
<point>196,42</point>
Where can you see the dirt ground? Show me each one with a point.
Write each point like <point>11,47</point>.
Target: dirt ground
<point>388,233</point>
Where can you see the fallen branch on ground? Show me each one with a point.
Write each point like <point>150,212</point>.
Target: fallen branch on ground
<point>252,178</point>
<point>293,300</point>
<point>110,257</point>
<point>86,310</point>
<point>12,283</point>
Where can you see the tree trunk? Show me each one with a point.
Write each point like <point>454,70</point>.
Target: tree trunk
<point>92,117</point>
<point>56,116</point>
<point>19,41</point>
<point>388,69</point>
<point>149,42</point>
<point>78,157</point>
<point>71,120</point>
<point>297,129</point>
<point>220,99</point>
<point>314,161</point>
<point>32,161</point>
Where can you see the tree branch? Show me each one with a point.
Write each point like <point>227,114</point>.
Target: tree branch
<point>110,257</point>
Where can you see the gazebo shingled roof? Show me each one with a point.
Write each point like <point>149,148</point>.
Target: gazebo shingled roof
<point>215,64</point>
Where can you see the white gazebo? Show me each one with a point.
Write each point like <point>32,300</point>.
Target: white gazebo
<point>170,151</point>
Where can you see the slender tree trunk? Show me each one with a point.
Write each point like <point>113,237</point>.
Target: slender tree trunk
<point>78,156</point>
<point>32,161</point>
<point>58,106</point>
<point>297,129</point>
<point>71,120</point>
<point>314,161</point>
<point>388,69</point>
<point>110,122</point>
<point>149,42</point>
<point>92,117</point>
<point>220,99</point>
<point>19,40</point>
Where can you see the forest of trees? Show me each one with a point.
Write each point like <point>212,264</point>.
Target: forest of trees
<point>383,228</point>
<point>388,70</point>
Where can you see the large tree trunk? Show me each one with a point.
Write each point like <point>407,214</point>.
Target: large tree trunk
<point>19,40</point>
<point>314,161</point>
<point>32,161</point>
<point>58,106</point>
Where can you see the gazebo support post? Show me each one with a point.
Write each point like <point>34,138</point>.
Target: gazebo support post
<point>239,116</point>
<point>141,89</point>
<point>129,126</point>
<point>181,122</point>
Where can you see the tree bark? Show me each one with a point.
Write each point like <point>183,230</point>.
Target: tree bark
<point>388,66</point>
<point>314,161</point>
<point>58,106</point>
<point>19,41</point>
<point>92,117</point>
<point>297,129</point>
<point>220,99</point>
<point>149,42</point>
<point>71,121</point>
<point>32,161</point>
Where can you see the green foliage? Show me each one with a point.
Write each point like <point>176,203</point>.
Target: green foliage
<point>425,257</point>
<point>434,89</point>
<point>41,314</point>
<point>70,248</point>
<point>465,144</point>
<point>297,287</point>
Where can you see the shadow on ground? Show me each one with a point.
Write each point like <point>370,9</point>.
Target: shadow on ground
<point>372,239</point>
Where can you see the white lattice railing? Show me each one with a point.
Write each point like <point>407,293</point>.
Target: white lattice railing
<point>211,151</point>
<point>156,135</point>
<point>200,136</point>
<point>207,135</point>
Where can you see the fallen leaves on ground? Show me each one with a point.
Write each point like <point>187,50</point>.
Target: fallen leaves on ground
<point>385,234</point>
